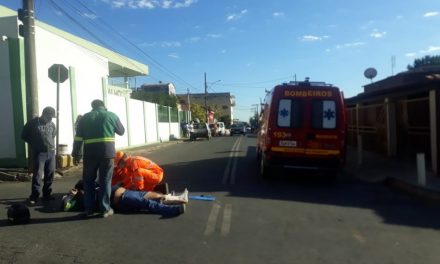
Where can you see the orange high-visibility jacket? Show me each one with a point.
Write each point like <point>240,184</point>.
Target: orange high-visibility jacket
<point>139,173</point>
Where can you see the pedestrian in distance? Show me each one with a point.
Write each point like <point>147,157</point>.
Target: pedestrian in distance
<point>40,133</point>
<point>95,135</point>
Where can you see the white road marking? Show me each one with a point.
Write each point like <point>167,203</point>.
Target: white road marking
<point>232,160</point>
<point>212,219</point>
<point>226,224</point>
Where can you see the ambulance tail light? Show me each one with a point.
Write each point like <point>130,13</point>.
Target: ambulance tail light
<point>269,142</point>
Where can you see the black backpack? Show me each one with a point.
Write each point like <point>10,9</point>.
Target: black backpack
<point>19,214</point>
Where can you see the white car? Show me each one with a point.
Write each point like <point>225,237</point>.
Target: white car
<point>221,130</point>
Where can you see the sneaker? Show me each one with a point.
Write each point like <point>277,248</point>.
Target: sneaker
<point>184,196</point>
<point>176,199</point>
<point>108,213</point>
<point>32,201</point>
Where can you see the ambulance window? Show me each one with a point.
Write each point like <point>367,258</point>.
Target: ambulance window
<point>324,114</point>
<point>290,113</point>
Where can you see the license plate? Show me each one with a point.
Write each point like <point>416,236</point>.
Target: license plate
<point>287,143</point>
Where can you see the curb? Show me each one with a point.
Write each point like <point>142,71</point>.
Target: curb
<point>14,176</point>
<point>424,193</point>
<point>411,188</point>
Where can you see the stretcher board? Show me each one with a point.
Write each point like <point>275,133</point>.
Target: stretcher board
<point>202,197</point>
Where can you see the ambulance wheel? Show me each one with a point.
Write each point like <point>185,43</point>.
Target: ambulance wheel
<point>258,156</point>
<point>264,168</point>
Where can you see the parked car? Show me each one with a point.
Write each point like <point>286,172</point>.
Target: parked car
<point>238,129</point>
<point>200,130</point>
<point>221,128</point>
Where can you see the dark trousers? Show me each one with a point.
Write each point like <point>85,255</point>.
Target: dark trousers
<point>91,167</point>
<point>43,170</point>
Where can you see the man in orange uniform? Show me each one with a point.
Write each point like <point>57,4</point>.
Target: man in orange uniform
<point>136,172</point>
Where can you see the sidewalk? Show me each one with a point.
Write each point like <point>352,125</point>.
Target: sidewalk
<point>399,174</point>
<point>22,174</point>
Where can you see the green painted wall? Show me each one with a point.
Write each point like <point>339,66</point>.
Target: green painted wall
<point>18,92</point>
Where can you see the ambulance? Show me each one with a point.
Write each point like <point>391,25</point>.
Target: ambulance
<point>302,126</point>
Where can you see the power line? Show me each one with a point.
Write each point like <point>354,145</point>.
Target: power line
<point>158,64</point>
<point>110,29</point>
<point>259,82</point>
<point>102,42</point>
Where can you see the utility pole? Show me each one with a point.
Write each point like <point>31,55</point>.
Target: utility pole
<point>206,103</point>
<point>189,104</point>
<point>27,31</point>
<point>26,15</point>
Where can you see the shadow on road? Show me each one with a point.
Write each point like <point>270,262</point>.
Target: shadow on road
<point>206,177</point>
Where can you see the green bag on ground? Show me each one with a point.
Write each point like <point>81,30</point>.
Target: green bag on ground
<point>73,202</point>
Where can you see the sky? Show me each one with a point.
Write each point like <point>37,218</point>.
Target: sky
<point>246,47</point>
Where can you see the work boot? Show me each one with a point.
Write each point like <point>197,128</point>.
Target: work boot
<point>177,199</point>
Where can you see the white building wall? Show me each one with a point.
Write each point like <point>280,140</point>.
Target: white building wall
<point>175,130</point>
<point>151,122</point>
<point>89,70</point>
<point>164,132</point>
<point>137,126</point>
<point>7,133</point>
<point>116,104</point>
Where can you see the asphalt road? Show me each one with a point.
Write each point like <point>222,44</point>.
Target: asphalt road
<point>291,218</point>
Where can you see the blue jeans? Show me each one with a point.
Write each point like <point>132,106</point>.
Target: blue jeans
<point>91,167</point>
<point>43,166</point>
<point>135,201</point>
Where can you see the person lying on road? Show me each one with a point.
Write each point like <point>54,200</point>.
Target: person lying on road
<point>132,201</point>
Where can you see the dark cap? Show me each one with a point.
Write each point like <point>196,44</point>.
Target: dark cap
<point>49,112</point>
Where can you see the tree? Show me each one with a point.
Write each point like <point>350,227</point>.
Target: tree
<point>254,121</point>
<point>198,111</point>
<point>157,98</point>
<point>225,119</point>
<point>425,61</point>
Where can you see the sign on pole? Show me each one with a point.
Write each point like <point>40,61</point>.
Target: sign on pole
<point>58,73</point>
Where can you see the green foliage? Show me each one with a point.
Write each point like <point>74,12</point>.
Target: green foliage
<point>157,98</point>
<point>427,60</point>
<point>198,111</point>
<point>225,119</point>
<point>253,121</point>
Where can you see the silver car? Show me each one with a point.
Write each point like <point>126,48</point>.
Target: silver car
<point>200,130</point>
